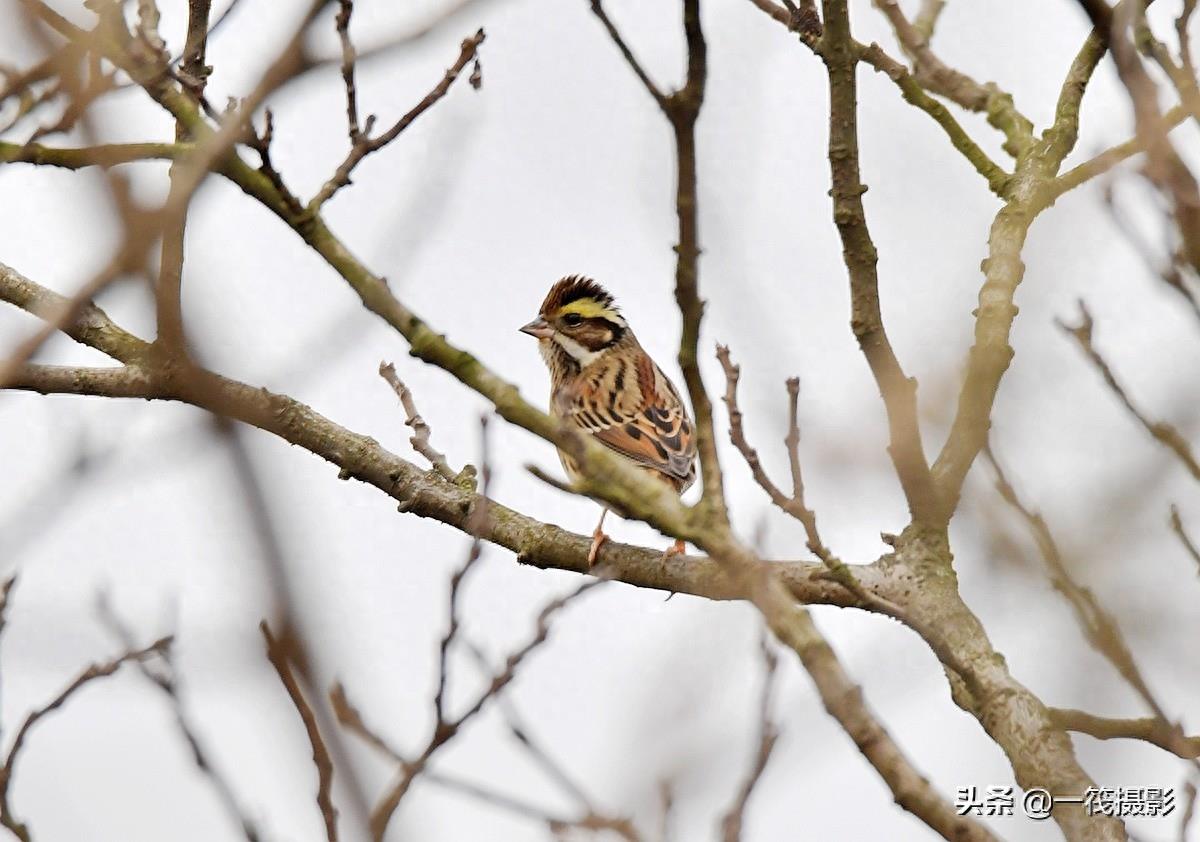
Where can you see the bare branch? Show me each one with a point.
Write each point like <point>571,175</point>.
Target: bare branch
<point>843,700</point>
<point>1164,168</point>
<point>279,656</point>
<point>927,19</point>
<point>858,251</point>
<point>935,75</point>
<point>95,671</point>
<point>445,729</point>
<point>349,717</point>
<point>1172,272</point>
<point>1108,159</point>
<point>659,97</point>
<point>168,292</point>
<point>127,381</point>
<point>1189,796</point>
<point>768,734</point>
<point>101,155</point>
<point>420,437</point>
<point>557,824</point>
<point>1062,136</point>
<point>682,109</point>
<point>806,24</point>
<point>168,683</point>
<point>1162,432</point>
<point>1098,626</point>
<point>361,143</point>
<point>1148,729</point>
<point>1188,544</point>
<point>793,505</point>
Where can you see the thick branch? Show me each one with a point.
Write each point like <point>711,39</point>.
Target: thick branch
<point>899,392</point>
<point>361,457</point>
<point>844,701</point>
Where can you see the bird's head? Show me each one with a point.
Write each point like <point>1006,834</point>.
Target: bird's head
<point>580,318</point>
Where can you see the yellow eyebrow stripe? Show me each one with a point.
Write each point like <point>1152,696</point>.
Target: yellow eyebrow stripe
<point>586,307</point>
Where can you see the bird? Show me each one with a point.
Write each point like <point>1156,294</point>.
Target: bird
<point>604,383</point>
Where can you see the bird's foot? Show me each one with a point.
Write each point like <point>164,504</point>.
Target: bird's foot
<point>598,539</point>
<point>678,548</point>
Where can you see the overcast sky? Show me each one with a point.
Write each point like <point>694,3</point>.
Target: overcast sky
<point>561,164</point>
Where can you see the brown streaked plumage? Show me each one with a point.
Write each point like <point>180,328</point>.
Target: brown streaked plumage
<point>603,382</point>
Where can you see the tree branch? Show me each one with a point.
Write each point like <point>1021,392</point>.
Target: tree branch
<point>1188,544</point>
<point>361,457</point>
<point>1162,432</point>
<point>168,292</point>
<point>936,76</point>
<point>858,251</point>
<point>1098,626</point>
<point>361,143</point>
<point>278,655</point>
<point>768,734</point>
<point>1148,729</point>
<point>420,437</point>
<point>95,671</point>
<point>1109,158</point>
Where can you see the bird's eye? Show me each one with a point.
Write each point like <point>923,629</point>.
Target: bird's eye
<point>572,320</point>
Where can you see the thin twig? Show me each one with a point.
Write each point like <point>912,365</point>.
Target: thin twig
<point>682,109</point>
<point>1164,167</point>
<point>420,439</point>
<point>1098,626</point>
<point>446,730</point>
<point>938,77</point>
<point>1189,810</point>
<point>95,671</point>
<point>1164,433</point>
<point>630,59</point>
<point>1173,273</point>
<point>279,656</point>
<point>793,505</point>
<point>768,735</point>
<point>1188,544</point>
<point>5,593</point>
<point>361,143</point>
<point>168,683</point>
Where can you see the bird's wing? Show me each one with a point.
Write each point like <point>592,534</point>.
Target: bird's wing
<point>633,409</point>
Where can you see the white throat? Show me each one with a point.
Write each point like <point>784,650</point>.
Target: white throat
<point>578,353</point>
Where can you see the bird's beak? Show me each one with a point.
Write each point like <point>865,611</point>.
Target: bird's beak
<point>538,328</point>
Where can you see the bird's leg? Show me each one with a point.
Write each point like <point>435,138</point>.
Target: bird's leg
<point>598,539</point>
<point>678,548</point>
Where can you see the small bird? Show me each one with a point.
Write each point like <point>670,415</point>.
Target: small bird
<point>604,383</point>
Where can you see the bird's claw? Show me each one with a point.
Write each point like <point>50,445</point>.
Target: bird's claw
<point>598,539</point>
